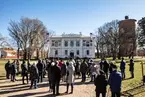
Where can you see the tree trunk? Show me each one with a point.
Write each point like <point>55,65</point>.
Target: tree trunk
<point>25,55</point>
<point>97,47</point>
<point>37,54</point>
<point>18,53</point>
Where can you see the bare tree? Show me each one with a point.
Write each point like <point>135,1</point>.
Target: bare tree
<point>25,34</point>
<point>108,37</point>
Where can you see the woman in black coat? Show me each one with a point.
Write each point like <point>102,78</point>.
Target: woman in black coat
<point>101,84</point>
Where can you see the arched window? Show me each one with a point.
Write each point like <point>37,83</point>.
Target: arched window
<point>65,43</point>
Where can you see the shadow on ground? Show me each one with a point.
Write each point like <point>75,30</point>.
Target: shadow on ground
<point>135,91</point>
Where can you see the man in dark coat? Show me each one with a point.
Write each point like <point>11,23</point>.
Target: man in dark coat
<point>63,72</point>
<point>24,72</point>
<point>131,68</point>
<point>83,70</point>
<point>49,72</point>
<point>122,68</point>
<point>101,84</point>
<point>56,75</point>
<point>8,69</point>
<point>115,81</point>
<point>106,68</point>
<point>40,67</point>
<point>34,74</point>
<point>13,71</point>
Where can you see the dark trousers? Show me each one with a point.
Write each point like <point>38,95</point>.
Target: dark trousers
<point>68,88</point>
<point>123,73</point>
<point>98,94</point>
<point>55,87</point>
<point>7,74</point>
<point>13,77</point>
<point>50,84</point>
<point>23,78</point>
<point>40,77</point>
<point>83,77</point>
<point>33,81</point>
<point>115,94</point>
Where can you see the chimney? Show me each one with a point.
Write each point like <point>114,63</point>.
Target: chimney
<point>126,17</point>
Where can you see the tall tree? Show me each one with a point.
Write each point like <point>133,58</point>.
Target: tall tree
<point>25,34</point>
<point>108,34</point>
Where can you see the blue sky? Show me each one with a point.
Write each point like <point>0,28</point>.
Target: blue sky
<point>69,16</point>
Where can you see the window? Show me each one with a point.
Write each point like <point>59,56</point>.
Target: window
<point>71,43</point>
<point>87,43</point>
<point>66,52</point>
<point>77,43</point>
<point>56,52</point>
<point>65,43</point>
<point>56,43</point>
<point>53,43</point>
<point>78,52</point>
<point>87,52</point>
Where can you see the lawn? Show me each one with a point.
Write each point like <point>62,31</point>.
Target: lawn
<point>130,87</point>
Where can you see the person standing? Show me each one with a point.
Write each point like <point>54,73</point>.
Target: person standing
<point>70,76</point>
<point>56,76</point>
<point>18,67</point>
<point>77,68</point>
<point>8,69</point>
<point>63,72</point>
<point>115,81</point>
<point>122,68</point>
<point>13,71</point>
<point>101,84</point>
<point>24,72</point>
<point>49,72</point>
<point>34,74</point>
<point>106,68</point>
<point>131,68</point>
<point>83,70</point>
<point>40,67</point>
<point>92,71</point>
<point>101,64</point>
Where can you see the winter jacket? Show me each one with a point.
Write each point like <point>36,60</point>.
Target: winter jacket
<point>84,67</point>
<point>115,81</point>
<point>105,66</point>
<point>33,72</point>
<point>24,69</point>
<point>100,83</point>
<point>122,65</point>
<point>71,70</point>
<point>56,73</point>
<point>40,67</point>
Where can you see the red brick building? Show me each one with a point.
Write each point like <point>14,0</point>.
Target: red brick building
<point>127,37</point>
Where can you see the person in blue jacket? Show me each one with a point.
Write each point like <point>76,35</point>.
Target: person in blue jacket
<point>122,68</point>
<point>115,81</point>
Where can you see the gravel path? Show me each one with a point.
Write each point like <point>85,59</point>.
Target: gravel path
<point>16,89</point>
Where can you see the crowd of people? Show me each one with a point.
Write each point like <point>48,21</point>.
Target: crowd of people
<point>102,74</point>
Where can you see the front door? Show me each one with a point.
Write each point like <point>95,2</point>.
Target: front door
<point>72,54</point>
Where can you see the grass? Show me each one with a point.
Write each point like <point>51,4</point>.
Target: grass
<point>130,87</point>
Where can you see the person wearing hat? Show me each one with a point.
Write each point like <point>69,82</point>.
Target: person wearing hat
<point>101,84</point>
<point>115,81</point>
<point>70,76</point>
<point>131,68</point>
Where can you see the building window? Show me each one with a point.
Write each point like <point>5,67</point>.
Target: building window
<point>56,52</point>
<point>65,43</point>
<point>78,52</point>
<point>87,43</point>
<point>87,52</point>
<point>66,52</point>
<point>71,43</point>
<point>77,43</point>
<point>53,43</point>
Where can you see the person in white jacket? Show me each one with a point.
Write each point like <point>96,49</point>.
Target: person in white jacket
<point>70,76</point>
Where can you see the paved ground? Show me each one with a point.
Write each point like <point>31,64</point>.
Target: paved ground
<point>16,89</point>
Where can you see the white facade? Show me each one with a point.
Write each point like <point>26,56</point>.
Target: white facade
<point>71,45</point>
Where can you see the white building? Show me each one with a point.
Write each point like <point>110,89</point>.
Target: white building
<point>71,45</point>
